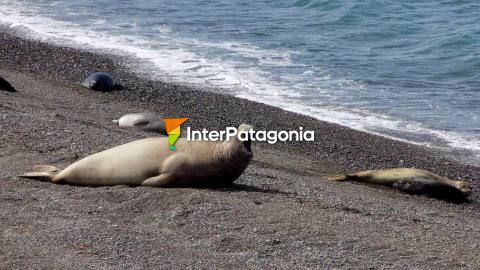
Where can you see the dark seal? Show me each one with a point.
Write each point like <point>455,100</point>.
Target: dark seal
<point>99,81</point>
<point>6,86</point>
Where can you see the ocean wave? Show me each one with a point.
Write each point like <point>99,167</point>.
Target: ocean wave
<point>236,67</point>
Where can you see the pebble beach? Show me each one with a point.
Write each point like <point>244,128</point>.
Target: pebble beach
<point>282,213</point>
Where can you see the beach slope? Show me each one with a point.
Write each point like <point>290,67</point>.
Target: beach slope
<point>282,213</point>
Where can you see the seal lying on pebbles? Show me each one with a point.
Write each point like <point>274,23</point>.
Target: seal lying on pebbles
<point>6,86</point>
<point>150,162</point>
<point>413,181</point>
<point>150,122</point>
<point>99,81</point>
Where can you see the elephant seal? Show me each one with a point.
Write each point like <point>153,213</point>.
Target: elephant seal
<point>413,181</point>
<point>150,162</point>
<point>150,122</point>
<point>99,81</point>
<point>6,86</point>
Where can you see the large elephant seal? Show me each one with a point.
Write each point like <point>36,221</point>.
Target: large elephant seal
<point>150,122</point>
<point>150,162</point>
<point>99,81</point>
<point>6,86</point>
<point>413,181</point>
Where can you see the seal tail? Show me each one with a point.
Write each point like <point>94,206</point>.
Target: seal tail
<point>42,173</point>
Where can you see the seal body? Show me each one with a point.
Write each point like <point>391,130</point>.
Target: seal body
<point>413,181</point>
<point>150,162</point>
<point>99,81</point>
<point>150,122</point>
<point>6,86</point>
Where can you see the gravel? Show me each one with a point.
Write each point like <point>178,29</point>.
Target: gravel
<point>280,214</point>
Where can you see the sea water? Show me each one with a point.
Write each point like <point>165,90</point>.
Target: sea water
<point>408,70</point>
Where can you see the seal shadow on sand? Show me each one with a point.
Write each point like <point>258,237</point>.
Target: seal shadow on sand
<point>118,87</point>
<point>229,187</point>
<point>233,187</point>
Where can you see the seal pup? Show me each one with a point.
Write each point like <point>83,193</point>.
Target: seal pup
<point>150,122</point>
<point>413,181</point>
<point>6,86</point>
<point>99,81</point>
<point>150,162</point>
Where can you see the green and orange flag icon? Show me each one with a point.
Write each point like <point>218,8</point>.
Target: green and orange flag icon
<point>173,130</point>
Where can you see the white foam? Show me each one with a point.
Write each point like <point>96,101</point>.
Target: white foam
<point>177,59</point>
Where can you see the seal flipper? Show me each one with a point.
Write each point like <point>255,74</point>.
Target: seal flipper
<point>344,177</point>
<point>162,180</point>
<point>410,187</point>
<point>42,173</point>
<point>140,122</point>
<point>150,124</point>
<point>45,168</point>
<point>435,190</point>
<point>42,176</point>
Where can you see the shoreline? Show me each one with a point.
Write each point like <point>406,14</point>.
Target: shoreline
<point>72,65</point>
<point>281,213</point>
<point>452,149</point>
